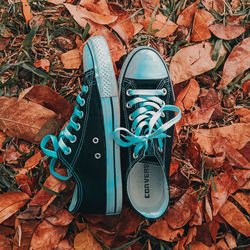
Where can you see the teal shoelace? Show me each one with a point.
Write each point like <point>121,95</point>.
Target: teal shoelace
<point>147,123</point>
<point>64,134</point>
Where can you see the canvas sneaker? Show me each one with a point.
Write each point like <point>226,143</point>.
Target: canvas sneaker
<point>86,146</point>
<point>148,116</point>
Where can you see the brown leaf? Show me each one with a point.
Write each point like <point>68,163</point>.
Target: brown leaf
<point>64,43</point>
<point>191,235</point>
<point>10,203</point>
<point>58,217</point>
<point>2,139</point>
<point>98,6</point>
<point>4,42</point>
<point>48,98</point>
<point>209,99</point>
<point>188,96</point>
<point>42,197</point>
<point>72,59</point>
<point>64,245</point>
<point>235,218</point>
<point>183,210</point>
<point>244,114</point>
<point>244,200</point>
<point>43,63</point>
<point>226,32</point>
<point>187,15</point>
<point>203,234</point>
<point>200,246</point>
<point>217,5</point>
<point>230,240</point>
<point>193,60</point>
<point>33,161</point>
<point>80,12</point>
<point>174,165</point>
<point>236,134</point>
<point>47,236</point>
<point>214,162</point>
<point>237,61</point>
<point>161,230</point>
<point>246,86</point>
<point>165,26</point>
<point>208,209</point>
<point>5,243</point>
<point>26,120</point>
<point>137,28</point>
<point>115,46</point>
<point>85,240</point>
<point>200,30</point>
<point>24,183</point>
<point>213,229</point>
<point>30,213</point>
<point>10,155</point>
<point>26,11</point>
<point>149,6</point>
<point>198,215</point>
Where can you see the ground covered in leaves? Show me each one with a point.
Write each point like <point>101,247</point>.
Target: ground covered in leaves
<point>206,45</point>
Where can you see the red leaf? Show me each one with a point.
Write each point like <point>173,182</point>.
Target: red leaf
<point>26,11</point>
<point>43,63</point>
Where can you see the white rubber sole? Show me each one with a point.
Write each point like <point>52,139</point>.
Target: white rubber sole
<point>106,82</point>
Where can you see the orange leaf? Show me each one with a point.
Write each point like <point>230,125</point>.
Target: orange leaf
<point>10,203</point>
<point>116,48</point>
<point>174,166</point>
<point>161,230</point>
<point>244,114</point>
<point>72,59</point>
<point>149,6</point>
<point>64,245</point>
<point>47,236</point>
<point>24,182</point>
<point>58,217</point>
<point>191,61</point>
<point>198,215</point>
<point>217,5</point>
<point>33,161</point>
<point>187,15</point>
<point>237,62</point>
<point>43,63</point>
<point>76,10</point>
<point>226,32</point>
<point>48,98</point>
<point>200,246</point>
<point>5,243</point>
<point>214,162</point>
<point>244,200</point>
<point>26,11</point>
<point>246,86</point>
<point>183,210</point>
<point>85,240</point>
<point>4,42</point>
<point>231,242</point>
<point>235,218</point>
<point>200,30</point>
<point>98,6</point>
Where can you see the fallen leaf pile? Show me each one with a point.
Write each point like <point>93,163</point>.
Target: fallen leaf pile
<point>205,44</point>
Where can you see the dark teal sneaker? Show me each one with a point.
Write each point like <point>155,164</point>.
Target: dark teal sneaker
<point>86,146</point>
<point>148,116</point>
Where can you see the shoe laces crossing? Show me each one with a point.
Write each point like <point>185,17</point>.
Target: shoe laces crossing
<point>67,134</point>
<point>147,120</point>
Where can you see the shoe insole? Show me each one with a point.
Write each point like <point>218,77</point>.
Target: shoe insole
<point>148,188</point>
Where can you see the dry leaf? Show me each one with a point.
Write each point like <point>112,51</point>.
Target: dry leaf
<point>5,243</point>
<point>230,240</point>
<point>64,245</point>
<point>116,48</point>
<point>24,183</point>
<point>183,210</point>
<point>244,200</point>
<point>80,12</point>
<point>174,165</point>
<point>10,203</point>
<point>10,154</point>
<point>137,28</point>
<point>43,63</point>
<point>47,236</point>
<point>42,197</point>
<point>72,59</point>
<point>58,217</point>
<point>33,161</point>
<point>149,6</point>
<point>85,241</point>
<point>26,11</point>
<point>2,139</point>
<point>203,234</point>
<point>244,114</point>
<point>214,228</point>
<point>221,244</point>
<point>208,209</point>
<point>214,162</point>
<point>98,6</point>
<point>222,145</point>
<point>217,5</point>
<point>30,213</point>
<point>200,30</point>
<point>198,215</point>
<point>226,32</point>
<point>236,133</point>
<point>200,246</point>
<point>56,1</point>
<point>187,15</point>
<point>193,60</point>
<point>26,120</point>
<point>161,230</point>
<point>237,62</point>
<point>235,218</point>
<point>48,98</point>
<point>165,26</point>
<point>4,42</point>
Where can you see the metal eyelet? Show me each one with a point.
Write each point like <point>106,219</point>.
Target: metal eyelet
<point>135,156</point>
<point>127,92</point>
<point>74,140</point>
<point>160,149</point>
<point>79,127</point>
<point>95,140</point>
<point>83,102</point>
<point>98,156</point>
<point>130,117</point>
<point>68,151</point>
<point>164,91</point>
<point>81,115</point>
<point>86,90</point>
<point>162,115</point>
<point>128,105</point>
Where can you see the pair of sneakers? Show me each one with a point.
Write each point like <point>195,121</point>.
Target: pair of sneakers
<point>119,132</point>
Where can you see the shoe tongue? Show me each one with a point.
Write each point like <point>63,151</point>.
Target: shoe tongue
<point>146,84</point>
<point>149,156</point>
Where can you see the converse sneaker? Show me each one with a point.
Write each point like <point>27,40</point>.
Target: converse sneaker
<point>86,146</point>
<point>147,125</point>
